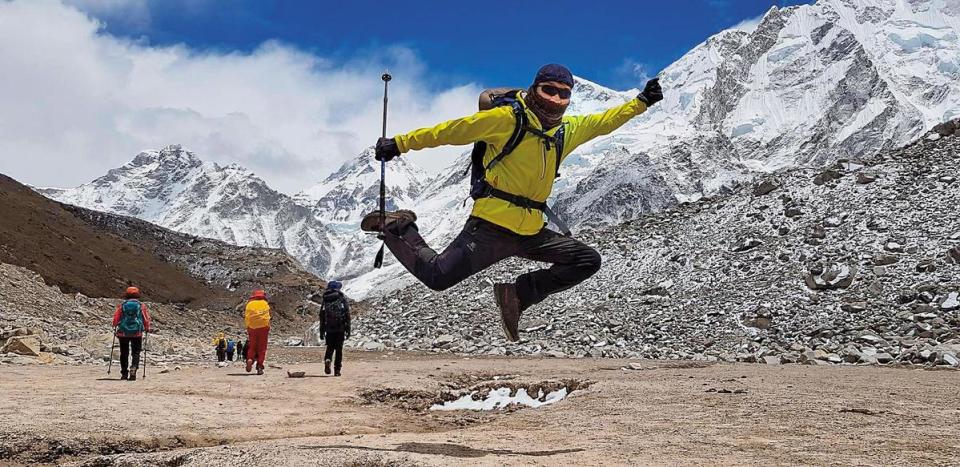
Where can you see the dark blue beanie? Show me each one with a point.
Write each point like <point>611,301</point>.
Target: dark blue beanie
<point>554,72</point>
<point>334,285</point>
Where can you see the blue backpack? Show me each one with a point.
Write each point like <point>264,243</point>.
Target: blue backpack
<point>131,318</point>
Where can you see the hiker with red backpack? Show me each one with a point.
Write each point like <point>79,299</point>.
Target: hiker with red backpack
<point>131,319</point>
<point>334,326</point>
<point>520,138</point>
<point>257,319</point>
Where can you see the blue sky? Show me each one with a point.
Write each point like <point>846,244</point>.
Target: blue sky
<point>498,43</point>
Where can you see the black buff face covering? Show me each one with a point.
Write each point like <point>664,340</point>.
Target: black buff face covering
<point>548,112</point>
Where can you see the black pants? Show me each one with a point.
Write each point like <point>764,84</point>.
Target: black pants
<point>221,355</point>
<point>128,344</point>
<point>334,344</point>
<point>481,244</point>
<point>230,355</point>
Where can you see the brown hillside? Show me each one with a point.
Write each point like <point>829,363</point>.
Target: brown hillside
<point>41,235</point>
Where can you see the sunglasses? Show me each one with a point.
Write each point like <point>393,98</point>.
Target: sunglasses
<point>555,91</point>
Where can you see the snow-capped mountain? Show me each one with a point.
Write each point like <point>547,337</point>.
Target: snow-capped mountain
<point>174,189</point>
<point>812,84</point>
<point>341,200</point>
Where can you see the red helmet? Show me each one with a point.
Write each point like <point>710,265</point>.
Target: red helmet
<point>258,295</point>
<point>132,292</point>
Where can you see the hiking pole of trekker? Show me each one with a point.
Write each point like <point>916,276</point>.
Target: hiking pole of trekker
<point>145,334</point>
<point>378,261</point>
<point>112,344</point>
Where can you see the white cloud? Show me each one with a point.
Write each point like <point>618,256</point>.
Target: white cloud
<point>749,24</point>
<point>78,101</point>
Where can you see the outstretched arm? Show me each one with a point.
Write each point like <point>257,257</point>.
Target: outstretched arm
<point>586,127</point>
<point>480,126</point>
<point>583,128</point>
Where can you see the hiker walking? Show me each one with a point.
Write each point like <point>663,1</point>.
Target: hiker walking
<point>257,319</point>
<point>231,346</point>
<point>220,344</point>
<point>131,319</point>
<point>520,137</point>
<point>334,326</point>
<point>241,351</point>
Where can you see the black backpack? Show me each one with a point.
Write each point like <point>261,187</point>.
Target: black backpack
<point>335,315</point>
<point>479,187</point>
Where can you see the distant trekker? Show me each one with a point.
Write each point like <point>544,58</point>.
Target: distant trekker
<point>257,319</point>
<point>220,344</point>
<point>231,346</point>
<point>334,325</point>
<point>131,320</point>
<point>520,139</point>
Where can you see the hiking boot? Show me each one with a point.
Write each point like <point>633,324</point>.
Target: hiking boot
<point>336,373</point>
<point>326,367</point>
<point>259,371</point>
<point>133,374</point>
<point>509,304</point>
<point>123,375</point>
<point>371,222</point>
<point>249,366</point>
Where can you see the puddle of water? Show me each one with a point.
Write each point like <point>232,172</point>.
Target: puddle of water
<point>501,398</point>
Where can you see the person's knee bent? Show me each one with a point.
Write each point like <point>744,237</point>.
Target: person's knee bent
<point>591,262</point>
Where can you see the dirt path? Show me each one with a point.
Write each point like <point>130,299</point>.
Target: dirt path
<point>666,413</point>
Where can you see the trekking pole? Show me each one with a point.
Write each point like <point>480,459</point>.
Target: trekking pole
<point>145,333</point>
<point>378,261</point>
<point>112,344</point>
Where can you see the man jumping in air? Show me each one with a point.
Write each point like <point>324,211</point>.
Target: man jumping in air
<point>521,141</point>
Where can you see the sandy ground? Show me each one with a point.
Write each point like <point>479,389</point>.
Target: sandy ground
<point>668,413</point>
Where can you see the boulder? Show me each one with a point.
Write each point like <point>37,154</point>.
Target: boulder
<point>953,254</point>
<point>864,178</point>
<point>826,177</point>
<point>833,276</point>
<point>23,345</point>
<point>883,259</point>
<point>764,187</point>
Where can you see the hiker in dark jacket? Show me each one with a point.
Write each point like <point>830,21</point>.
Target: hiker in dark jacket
<point>131,320</point>
<point>334,326</point>
<point>231,346</point>
<point>240,355</point>
<point>518,149</point>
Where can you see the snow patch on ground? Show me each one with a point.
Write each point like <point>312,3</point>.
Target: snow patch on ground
<point>501,398</point>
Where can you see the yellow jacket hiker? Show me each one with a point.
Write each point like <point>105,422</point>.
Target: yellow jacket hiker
<point>256,316</point>
<point>518,140</point>
<point>529,171</point>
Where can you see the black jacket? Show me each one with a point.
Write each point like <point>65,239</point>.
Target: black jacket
<point>327,323</point>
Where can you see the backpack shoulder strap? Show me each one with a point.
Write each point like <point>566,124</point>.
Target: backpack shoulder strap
<point>558,141</point>
<point>519,131</point>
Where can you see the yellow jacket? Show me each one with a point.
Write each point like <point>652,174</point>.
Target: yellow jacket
<point>528,171</point>
<point>257,314</point>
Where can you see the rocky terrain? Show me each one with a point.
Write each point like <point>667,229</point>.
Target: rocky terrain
<point>238,270</point>
<point>39,324</point>
<point>857,262</point>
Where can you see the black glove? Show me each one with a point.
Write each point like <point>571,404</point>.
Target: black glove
<point>386,149</point>
<point>651,93</point>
